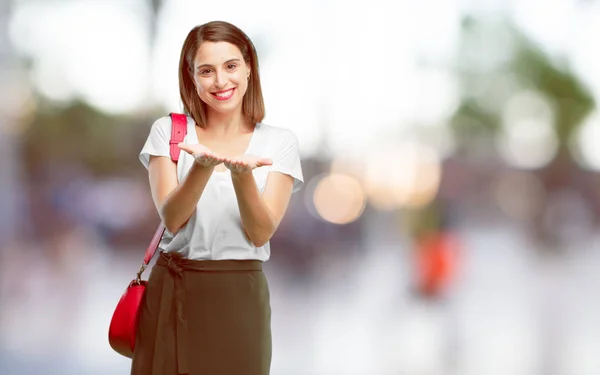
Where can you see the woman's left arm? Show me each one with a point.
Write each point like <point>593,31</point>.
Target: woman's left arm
<point>262,213</point>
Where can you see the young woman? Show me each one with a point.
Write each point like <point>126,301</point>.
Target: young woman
<point>206,308</point>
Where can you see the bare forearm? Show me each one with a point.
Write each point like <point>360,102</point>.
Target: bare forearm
<point>181,202</point>
<point>257,218</point>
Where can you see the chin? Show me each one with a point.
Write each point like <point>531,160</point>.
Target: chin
<point>226,107</point>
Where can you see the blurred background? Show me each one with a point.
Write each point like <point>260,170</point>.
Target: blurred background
<point>448,224</point>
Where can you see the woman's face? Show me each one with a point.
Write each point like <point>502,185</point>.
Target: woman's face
<point>221,76</point>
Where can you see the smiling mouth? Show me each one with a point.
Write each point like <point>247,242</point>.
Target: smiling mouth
<point>223,95</point>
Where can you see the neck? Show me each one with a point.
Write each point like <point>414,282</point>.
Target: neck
<point>224,124</point>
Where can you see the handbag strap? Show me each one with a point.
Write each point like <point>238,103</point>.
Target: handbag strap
<point>178,133</point>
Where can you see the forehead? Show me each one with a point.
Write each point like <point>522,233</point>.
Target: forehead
<point>217,53</point>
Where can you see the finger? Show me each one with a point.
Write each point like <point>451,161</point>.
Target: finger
<point>185,148</point>
<point>263,162</point>
<point>215,159</point>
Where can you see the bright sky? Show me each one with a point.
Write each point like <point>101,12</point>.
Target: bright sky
<point>335,62</point>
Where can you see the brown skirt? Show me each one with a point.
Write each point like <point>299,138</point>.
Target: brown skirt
<point>204,318</point>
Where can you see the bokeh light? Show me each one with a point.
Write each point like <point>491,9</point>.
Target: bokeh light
<point>585,144</point>
<point>407,175</point>
<point>527,139</point>
<point>339,199</point>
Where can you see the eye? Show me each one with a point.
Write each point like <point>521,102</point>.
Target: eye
<point>204,72</point>
<point>231,66</point>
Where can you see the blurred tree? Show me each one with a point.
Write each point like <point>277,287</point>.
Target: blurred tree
<point>103,144</point>
<point>571,99</point>
<point>480,66</point>
<point>496,61</point>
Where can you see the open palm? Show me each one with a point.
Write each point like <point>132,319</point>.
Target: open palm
<point>246,163</point>
<point>202,155</point>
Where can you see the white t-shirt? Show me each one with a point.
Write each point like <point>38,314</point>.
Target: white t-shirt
<point>215,229</point>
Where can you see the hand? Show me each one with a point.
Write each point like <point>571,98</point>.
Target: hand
<point>245,163</point>
<point>202,155</point>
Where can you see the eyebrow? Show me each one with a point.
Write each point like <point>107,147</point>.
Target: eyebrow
<point>226,62</point>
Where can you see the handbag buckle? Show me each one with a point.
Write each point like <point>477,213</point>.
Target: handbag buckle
<point>138,278</point>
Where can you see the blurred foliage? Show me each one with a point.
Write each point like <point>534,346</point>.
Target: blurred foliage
<point>492,55</point>
<point>495,61</point>
<point>471,121</point>
<point>571,99</point>
<point>79,134</point>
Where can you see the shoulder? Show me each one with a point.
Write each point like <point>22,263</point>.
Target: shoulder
<point>162,125</point>
<point>164,122</point>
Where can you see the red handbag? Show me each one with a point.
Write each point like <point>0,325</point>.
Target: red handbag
<point>123,325</point>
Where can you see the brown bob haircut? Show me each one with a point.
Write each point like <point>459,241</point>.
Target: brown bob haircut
<point>253,107</point>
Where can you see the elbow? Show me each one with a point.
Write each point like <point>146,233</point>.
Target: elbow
<point>259,238</point>
<point>259,242</point>
<point>172,226</point>
<point>173,218</point>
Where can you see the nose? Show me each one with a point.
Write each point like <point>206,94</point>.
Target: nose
<point>220,79</point>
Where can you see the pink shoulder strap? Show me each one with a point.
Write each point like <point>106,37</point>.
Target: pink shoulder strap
<point>178,132</point>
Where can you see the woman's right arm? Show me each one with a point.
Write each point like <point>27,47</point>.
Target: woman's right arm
<point>176,202</point>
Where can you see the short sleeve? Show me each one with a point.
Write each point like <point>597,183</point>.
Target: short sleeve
<point>286,158</point>
<point>157,143</point>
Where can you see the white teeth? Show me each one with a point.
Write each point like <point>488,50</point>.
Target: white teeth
<point>224,94</point>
